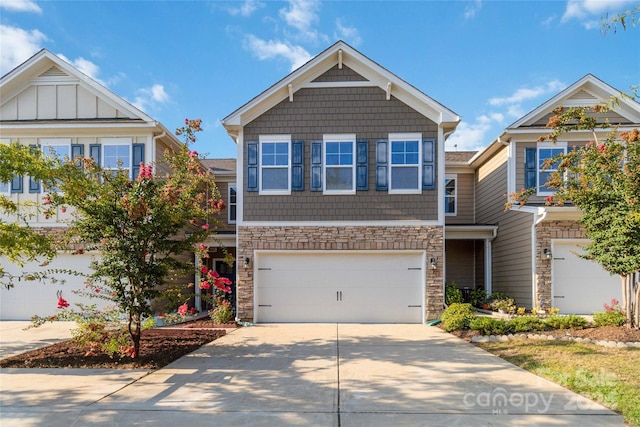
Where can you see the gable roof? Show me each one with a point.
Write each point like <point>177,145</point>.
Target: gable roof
<point>338,54</point>
<point>220,166</point>
<point>587,91</point>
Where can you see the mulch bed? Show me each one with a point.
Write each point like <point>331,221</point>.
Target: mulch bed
<point>602,333</point>
<point>158,348</point>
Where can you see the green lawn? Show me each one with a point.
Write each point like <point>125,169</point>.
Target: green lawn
<point>610,376</point>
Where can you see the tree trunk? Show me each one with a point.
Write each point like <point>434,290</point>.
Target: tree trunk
<point>135,329</point>
<point>635,284</point>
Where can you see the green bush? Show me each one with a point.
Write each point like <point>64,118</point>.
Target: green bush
<point>526,324</point>
<point>609,318</point>
<point>566,322</point>
<point>478,297</point>
<point>497,296</point>
<point>457,316</point>
<point>452,294</point>
<point>491,326</point>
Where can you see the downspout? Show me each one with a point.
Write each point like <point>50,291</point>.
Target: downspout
<point>534,258</point>
<point>445,135</point>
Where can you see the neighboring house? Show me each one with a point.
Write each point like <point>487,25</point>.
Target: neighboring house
<point>48,103</point>
<point>340,203</point>
<point>535,253</point>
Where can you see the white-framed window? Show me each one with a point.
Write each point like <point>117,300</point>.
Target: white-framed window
<point>116,154</point>
<point>233,203</point>
<point>547,150</point>
<point>275,164</point>
<point>55,148</point>
<point>451,195</point>
<point>339,172</point>
<point>405,171</point>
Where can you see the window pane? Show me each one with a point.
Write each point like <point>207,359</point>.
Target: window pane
<point>232,212</point>
<point>55,151</point>
<point>404,178</point>
<point>450,187</point>
<point>232,195</point>
<point>275,154</point>
<point>544,176</point>
<point>333,159</point>
<point>339,178</point>
<point>450,205</point>
<point>547,153</point>
<point>333,148</point>
<point>116,156</point>
<point>275,179</point>
<point>339,153</point>
<point>404,152</point>
<point>4,187</point>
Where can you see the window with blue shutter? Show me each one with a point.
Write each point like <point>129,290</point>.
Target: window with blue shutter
<point>16,184</point>
<point>316,165</point>
<point>297,165</point>
<point>530,168</point>
<point>252,166</point>
<point>138,157</point>
<point>77,151</point>
<point>428,164</point>
<point>362,164</point>
<point>34,184</point>
<point>95,152</point>
<point>382,165</point>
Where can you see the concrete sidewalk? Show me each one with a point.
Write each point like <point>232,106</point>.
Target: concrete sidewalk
<point>321,375</point>
<point>15,339</point>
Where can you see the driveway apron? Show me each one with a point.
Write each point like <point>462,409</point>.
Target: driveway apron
<point>329,375</point>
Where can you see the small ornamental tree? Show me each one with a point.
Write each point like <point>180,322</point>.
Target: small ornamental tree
<point>19,243</point>
<point>145,226</point>
<point>602,179</point>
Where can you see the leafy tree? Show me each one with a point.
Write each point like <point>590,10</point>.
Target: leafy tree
<point>19,243</point>
<point>602,179</point>
<point>146,228</point>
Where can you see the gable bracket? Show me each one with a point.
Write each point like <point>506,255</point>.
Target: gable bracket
<point>290,87</point>
<point>388,91</point>
<point>340,59</point>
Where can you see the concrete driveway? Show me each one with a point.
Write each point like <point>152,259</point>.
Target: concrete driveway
<point>320,375</point>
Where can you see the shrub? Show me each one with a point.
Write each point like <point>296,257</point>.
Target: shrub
<point>609,318</point>
<point>452,294</point>
<point>526,324</point>
<point>566,322</point>
<point>223,313</point>
<point>457,316</point>
<point>491,326</point>
<point>497,296</point>
<point>478,297</point>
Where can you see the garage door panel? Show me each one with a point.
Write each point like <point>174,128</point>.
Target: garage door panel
<point>339,287</point>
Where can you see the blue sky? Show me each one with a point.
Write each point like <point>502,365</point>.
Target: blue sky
<point>489,61</point>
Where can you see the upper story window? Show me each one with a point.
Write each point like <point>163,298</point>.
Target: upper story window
<point>55,149</point>
<point>275,164</point>
<point>405,172</point>
<point>339,164</point>
<point>116,154</point>
<point>450,195</point>
<point>546,151</point>
<point>233,203</point>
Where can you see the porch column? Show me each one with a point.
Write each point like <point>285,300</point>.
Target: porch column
<point>487,266</point>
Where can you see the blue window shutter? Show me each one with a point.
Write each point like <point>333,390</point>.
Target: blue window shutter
<point>34,184</point>
<point>95,152</point>
<point>138,157</point>
<point>428,164</point>
<point>362,164</point>
<point>530,169</point>
<point>16,184</point>
<point>297,165</point>
<point>382,164</point>
<point>77,150</point>
<point>252,166</point>
<point>316,165</point>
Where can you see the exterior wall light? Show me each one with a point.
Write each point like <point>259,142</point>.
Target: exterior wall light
<point>434,263</point>
<point>247,261</point>
<point>547,253</point>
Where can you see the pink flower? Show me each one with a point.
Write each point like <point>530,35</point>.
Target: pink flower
<point>63,209</point>
<point>192,310</point>
<point>96,290</point>
<point>186,121</point>
<point>182,310</point>
<point>205,285</point>
<point>62,303</point>
<point>205,226</point>
<point>203,269</point>
<point>160,314</point>
<point>223,284</point>
<point>213,274</point>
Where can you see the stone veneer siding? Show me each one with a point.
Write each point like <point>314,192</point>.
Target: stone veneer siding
<point>545,232</point>
<point>337,238</point>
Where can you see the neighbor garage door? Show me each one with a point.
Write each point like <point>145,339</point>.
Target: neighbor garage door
<point>580,286</point>
<point>30,298</point>
<point>367,287</point>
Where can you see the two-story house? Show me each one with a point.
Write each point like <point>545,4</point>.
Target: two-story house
<point>47,103</point>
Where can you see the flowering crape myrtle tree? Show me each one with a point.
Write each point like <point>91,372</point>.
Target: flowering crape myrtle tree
<point>602,179</point>
<point>19,243</point>
<point>144,226</point>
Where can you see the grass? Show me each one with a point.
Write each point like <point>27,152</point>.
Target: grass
<point>609,376</point>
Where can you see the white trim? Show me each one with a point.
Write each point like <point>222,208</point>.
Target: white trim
<point>323,85</point>
<point>232,185</point>
<point>274,139</point>
<point>454,178</point>
<point>511,166</point>
<point>240,178</point>
<point>545,146</point>
<point>413,136</point>
<point>339,138</point>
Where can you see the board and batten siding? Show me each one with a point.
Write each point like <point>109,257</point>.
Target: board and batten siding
<point>464,199</point>
<point>363,111</point>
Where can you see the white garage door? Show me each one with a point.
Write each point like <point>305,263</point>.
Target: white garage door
<point>357,287</point>
<point>580,286</point>
<point>30,298</point>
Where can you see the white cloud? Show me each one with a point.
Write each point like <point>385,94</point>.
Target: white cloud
<point>246,8</point>
<point>20,6</point>
<point>547,22</point>
<point>87,67</point>
<point>349,34</point>
<point>150,97</point>
<point>302,15</point>
<point>525,93</point>
<point>17,45</point>
<point>474,136</point>
<point>471,10</point>
<point>271,49</point>
<point>586,10</point>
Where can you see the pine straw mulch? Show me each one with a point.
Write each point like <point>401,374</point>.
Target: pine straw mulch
<point>601,333</point>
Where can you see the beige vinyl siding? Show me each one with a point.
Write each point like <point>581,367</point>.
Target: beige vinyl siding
<point>464,200</point>
<point>512,257</point>
<point>223,217</point>
<point>491,187</point>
